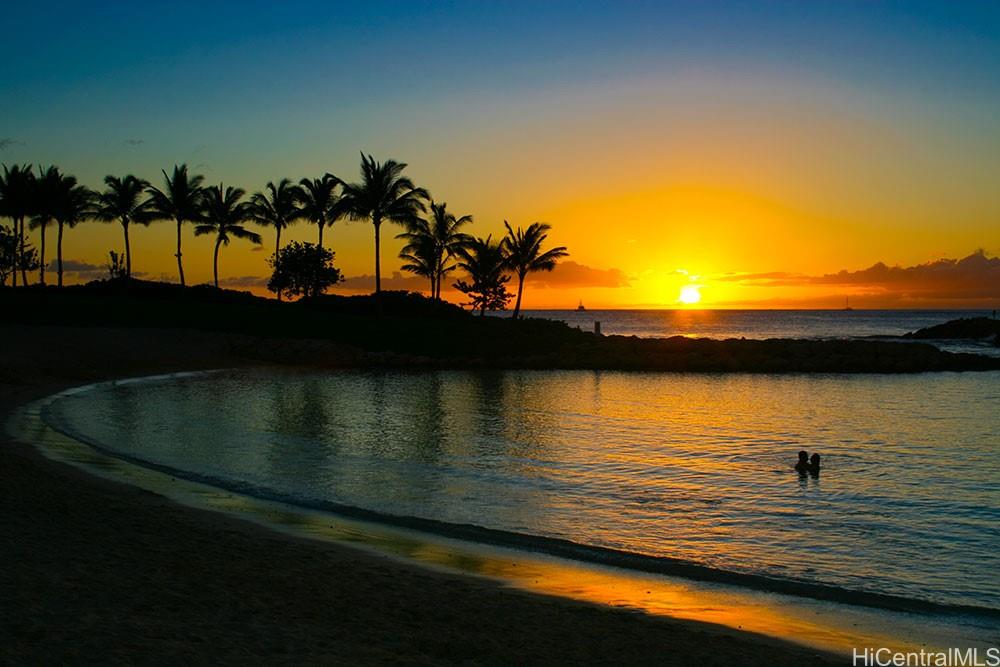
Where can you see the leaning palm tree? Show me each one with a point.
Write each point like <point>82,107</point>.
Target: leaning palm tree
<point>72,204</point>
<point>524,254</point>
<point>17,203</point>
<point>123,201</point>
<point>222,214</point>
<point>179,201</point>
<point>45,194</point>
<point>276,207</point>
<point>383,194</point>
<point>319,202</point>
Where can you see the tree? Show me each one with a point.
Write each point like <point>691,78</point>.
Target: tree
<point>222,214</point>
<point>124,201</point>
<point>486,265</point>
<point>13,257</point>
<point>16,203</point>
<point>523,249</point>
<point>44,196</point>
<point>383,194</point>
<point>276,207</point>
<point>302,269</point>
<point>71,205</point>
<point>432,243</point>
<point>319,202</point>
<point>180,201</point>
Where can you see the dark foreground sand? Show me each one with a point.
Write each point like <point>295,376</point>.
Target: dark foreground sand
<point>98,572</point>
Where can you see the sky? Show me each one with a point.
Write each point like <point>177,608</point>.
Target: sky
<point>755,154</point>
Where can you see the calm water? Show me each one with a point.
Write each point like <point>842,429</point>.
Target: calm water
<point>691,466</point>
<point>766,323</point>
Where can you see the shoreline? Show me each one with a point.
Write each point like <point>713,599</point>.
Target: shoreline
<point>99,569</point>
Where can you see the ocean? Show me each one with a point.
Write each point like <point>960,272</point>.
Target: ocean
<point>697,468</point>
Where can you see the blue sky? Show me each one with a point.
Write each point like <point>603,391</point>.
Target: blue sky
<point>876,121</point>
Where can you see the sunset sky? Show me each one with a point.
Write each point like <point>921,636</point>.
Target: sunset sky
<point>772,154</point>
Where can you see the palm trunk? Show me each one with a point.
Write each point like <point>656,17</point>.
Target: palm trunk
<point>15,256</point>
<point>215,262</point>
<point>20,254</point>
<point>41,267</point>
<point>520,291</point>
<point>378,271</point>
<point>59,281</point>
<point>277,243</point>
<point>128,251</point>
<point>180,265</point>
<point>320,244</point>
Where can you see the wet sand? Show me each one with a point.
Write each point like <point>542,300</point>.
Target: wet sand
<point>95,571</point>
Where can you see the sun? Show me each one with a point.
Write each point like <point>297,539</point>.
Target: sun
<point>690,294</point>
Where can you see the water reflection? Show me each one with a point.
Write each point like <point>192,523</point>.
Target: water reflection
<point>696,467</point>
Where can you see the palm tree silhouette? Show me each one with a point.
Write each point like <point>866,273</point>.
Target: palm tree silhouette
<point>383,194</point>
<point>17,200</point>
<point>276,207</point>
<point>319,202</point>
<point>523,249</point>
<point>486,264</point>
<point>420,254</point>
<point>434,241</point>
<point>179,201</point>
<point>45,193</point>
<point>124,201</point>
<point>222,214</point>
<point>72,204</point>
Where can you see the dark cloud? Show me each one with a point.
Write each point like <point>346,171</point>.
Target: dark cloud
<point>76,266</point>
<point>570,274</point>
<point>397,281</point>
<point>243,281</point>
<point>134,142</point>
<point>7,142</point>
<point>974,277</point>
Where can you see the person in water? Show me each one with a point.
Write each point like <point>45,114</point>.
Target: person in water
<point>803,464</point>
<point>814,465</point>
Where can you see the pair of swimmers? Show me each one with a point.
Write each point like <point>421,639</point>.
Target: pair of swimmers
<point>808,464</point>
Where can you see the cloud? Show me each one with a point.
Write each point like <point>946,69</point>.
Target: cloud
<point>243,281</point>
<point>974,277</point>
<point>397,281</point>
<point>7,142</point>
<point>570,274</point>
<point>134,142</point>
<point>83,270</point>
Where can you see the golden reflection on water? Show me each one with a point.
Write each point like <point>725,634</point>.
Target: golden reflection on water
<point>823,625</point>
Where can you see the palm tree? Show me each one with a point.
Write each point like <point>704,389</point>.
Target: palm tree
<point>524,254</point>
<point>71,205</point>
<point>420,254</point>
<point>486,264</point>
<point>16,203</point>
<point>179,201</point>
<point>45,193</point>
<point>319,202</point>
<point>123,201</point>
<point>221,214</point>
<point>438,239</point>
<point>383,194</point>
<point>276,207</point>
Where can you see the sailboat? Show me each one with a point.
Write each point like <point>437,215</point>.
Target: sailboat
<point>581,306</point>
<point>847,303</point>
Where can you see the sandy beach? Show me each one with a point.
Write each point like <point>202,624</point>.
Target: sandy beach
<point>98,571</point>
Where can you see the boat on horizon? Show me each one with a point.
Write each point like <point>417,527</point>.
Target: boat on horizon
<point>581,306</point>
